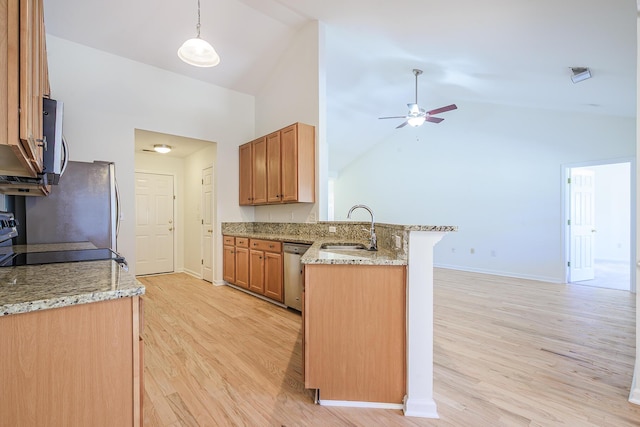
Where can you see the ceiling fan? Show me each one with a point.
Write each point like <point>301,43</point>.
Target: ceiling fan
<point>416,115</point>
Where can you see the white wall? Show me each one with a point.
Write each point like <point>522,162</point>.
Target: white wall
<point>292,93</point>
<point>495,172</point>
<point>634,395</point>
<point>106,97</point>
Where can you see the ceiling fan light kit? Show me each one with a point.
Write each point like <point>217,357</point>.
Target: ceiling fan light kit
<point>198,52</point>
<point>579,74</point>
<point>417,115</point>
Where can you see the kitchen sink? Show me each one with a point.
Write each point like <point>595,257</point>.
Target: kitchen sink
<point>343,246</point>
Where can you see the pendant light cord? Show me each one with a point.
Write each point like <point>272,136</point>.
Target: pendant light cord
<point>198,26</point>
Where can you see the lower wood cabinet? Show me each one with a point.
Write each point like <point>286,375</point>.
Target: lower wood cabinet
<point>80,365</point>
<point>254,264</point>
<point>229,263</point>
<point>242,262</point>
<point>354,320</point>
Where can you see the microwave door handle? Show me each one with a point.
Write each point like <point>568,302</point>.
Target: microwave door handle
<point>115,181</point>
<point>65,153</point>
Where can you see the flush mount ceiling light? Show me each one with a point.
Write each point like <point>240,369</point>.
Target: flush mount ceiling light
<point>579,74</point>
<point>197,51</point>
<point>161,148</point>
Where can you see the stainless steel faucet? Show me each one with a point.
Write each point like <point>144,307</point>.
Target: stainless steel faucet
<point>373,243</point>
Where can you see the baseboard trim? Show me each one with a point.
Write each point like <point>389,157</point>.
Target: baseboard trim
<point>356,404</point>
<point>423,408</point>
<point>634,396</point>
<point>192,273</point>
<point>501,273</point>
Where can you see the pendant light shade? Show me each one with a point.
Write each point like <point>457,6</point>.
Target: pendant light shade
<point>198,52</point>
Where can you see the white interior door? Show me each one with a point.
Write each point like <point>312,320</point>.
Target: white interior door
<point>207,224</point>
<point>154,223</point>
<point>582,226</point>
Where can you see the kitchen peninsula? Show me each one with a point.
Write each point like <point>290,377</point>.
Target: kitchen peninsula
<point>367,316</point>
<point>71,349</point>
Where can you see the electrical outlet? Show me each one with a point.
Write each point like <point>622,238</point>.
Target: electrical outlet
<point>332,229</point>
<point>473,251</point>
<point>398,241</point>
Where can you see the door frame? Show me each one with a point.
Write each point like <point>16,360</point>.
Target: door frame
<point>213,223</point>
<point>566,212</point>
<point>177,231</point>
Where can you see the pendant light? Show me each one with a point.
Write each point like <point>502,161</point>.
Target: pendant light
<point>197,51</point>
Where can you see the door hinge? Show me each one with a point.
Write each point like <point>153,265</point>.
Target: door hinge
<point>202,180</point>
<point>568,222</point>
<point>174,197</point>
<point>568,180</point>
<point>202,221</point>
<point>569,264</point>
<point>202,261</point>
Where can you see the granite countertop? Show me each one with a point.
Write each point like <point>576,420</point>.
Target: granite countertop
<point>316,255</point>
<point>39,287</point>
<point>393,239</point>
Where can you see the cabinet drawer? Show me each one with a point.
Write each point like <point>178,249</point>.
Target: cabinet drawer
<point>242,242</point>
<point>229,240</point>
<point>266,245</point>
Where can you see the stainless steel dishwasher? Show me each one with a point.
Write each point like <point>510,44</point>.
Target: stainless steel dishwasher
<point>293,274</point>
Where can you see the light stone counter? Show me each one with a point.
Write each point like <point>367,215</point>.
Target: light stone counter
<point>39,287</point>
<point>392,239</point>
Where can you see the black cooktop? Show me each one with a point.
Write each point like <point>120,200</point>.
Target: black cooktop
<point>37,258</point>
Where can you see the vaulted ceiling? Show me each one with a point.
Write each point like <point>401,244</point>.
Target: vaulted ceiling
<point>511,52</point>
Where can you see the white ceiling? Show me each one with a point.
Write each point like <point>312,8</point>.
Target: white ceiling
<point>511,52</point>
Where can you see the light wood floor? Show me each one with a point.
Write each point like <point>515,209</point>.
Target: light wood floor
<point>508,352</point>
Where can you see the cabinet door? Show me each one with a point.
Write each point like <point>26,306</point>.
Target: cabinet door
<point>246,174</point>
<point>242,267</point>
<point>259,178</point>
<point>274,188</point>
<point>256,271</point>
<point>229,264</point>
<point>289,157</point>
<point>30,81</point>
<point>273,284</point>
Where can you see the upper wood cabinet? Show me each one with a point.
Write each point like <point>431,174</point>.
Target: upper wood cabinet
<point>253,172</point>
<point>24,81</point>
<point>281,167</point>
<point>246,174</point>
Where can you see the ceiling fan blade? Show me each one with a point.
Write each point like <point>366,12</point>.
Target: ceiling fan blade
<point>443,109</point>
<point>402,125</point>
<point>433,119</point>
<point>393,117</point>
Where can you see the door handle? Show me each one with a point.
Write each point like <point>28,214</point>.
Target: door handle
<point>209,231</point>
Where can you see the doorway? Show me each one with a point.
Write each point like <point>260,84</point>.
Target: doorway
<point>154,223</point>
<point>599,241</point>
<point>207,224</point>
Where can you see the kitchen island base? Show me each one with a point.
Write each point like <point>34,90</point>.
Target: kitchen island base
<point>354,333</point>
